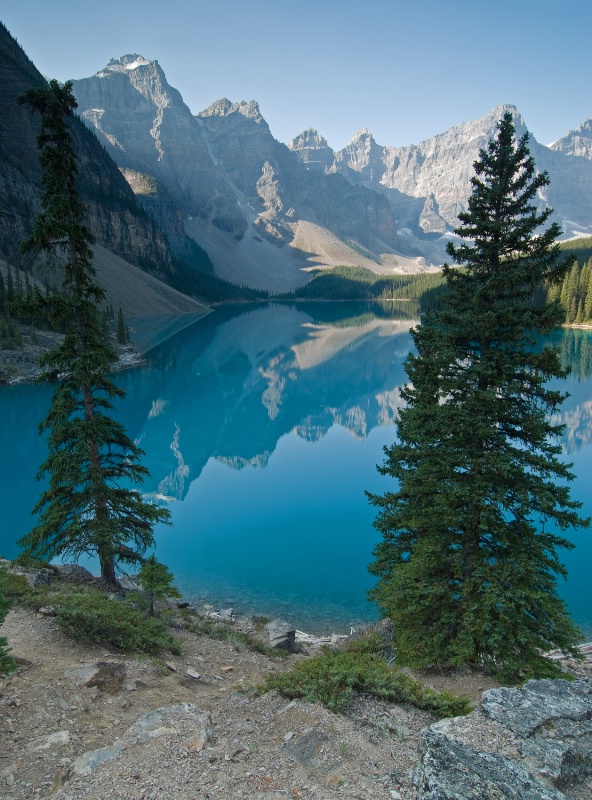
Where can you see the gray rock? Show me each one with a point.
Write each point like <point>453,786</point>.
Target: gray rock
<point>546,726</point>
<point>56,739</point>
<point>128,583</point>
<point>538,703</point>
<point>88,762</point>
<point>43,577</point>
<point>453,771</point>
<point>167,720</point>
<point>108,676</point>
<point>184,720</point>
<point>73,572</point>
<point>563,762</point>
<point>305,748</point>
<point>281,635</point>
<point>577,142</point>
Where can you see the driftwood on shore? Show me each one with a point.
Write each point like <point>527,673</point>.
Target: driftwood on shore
<point>585,650</point>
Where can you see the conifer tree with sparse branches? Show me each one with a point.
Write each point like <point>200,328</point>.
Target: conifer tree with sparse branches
<point>87,508</point>
<point>468,563</point>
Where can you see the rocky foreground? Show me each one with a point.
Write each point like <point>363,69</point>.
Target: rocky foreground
<point>79,722</point>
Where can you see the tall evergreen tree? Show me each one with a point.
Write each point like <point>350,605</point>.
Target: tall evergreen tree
<point>85,509</point>
<point>121,331</point>
<point>468,562</point>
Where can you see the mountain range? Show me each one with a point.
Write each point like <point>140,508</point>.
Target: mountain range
<point>216,192</point>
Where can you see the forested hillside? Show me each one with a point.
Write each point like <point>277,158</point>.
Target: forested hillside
<point>575,292</point>
<point>357,283</point>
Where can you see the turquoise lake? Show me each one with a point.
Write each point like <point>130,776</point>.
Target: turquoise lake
<point>262,426</point>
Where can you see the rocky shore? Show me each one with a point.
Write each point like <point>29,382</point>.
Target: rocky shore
<point>81,722</point>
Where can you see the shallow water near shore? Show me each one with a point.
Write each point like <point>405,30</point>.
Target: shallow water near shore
<point>262,426</point>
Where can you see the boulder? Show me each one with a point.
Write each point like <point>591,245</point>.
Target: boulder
<point>539,742</point>
<point>454,771</point>
<point>538,704</point>
<point>74,573</point>
<point>281,635</point>
<point>183,722</point>
<point>107,676</point>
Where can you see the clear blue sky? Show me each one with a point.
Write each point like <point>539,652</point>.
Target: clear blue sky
<point>405,69</point>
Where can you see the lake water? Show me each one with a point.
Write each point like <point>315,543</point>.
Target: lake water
<point>262,427</point>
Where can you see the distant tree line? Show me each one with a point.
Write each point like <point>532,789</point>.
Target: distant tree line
<point>17,297</point>
<point>575,291</point>
<point>358,283</point>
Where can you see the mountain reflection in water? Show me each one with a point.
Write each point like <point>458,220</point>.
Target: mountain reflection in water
<point>262,426</point>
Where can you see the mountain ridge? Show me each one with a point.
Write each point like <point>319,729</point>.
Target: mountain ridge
<point>243,195</point>
<point>273,211</point>
<point>122,229</point>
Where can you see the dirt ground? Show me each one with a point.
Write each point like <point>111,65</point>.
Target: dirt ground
<point>261,747</point>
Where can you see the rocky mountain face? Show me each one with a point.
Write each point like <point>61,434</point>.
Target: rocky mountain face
<point>577,142</point>
<point>428,184</point>
<point>243,196</point>
<point>265,213</point>
<point>276,210</point>
<point>120,225</point>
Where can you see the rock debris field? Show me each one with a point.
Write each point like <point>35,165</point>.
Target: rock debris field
<point>79,722</point>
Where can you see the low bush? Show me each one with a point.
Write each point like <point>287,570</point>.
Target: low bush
<point>336,675</point>
<point>16,586</point>
<point>93,617</point>
<point>7,663</point>
<point>30,562</point>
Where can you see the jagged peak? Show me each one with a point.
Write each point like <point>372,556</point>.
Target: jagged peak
<point>362,135</point>
<point>127,63</point>
<point>224,107</point>
<point>308,138</point>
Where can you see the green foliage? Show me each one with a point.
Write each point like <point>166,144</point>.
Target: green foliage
<point>156,579</point>
<point>122,337</point>
<point>336,675</point>
<point>576,353</point>
<point>7,663</point>
<point>358,283</point>
<point>86,509</point>
<point>574,293</point>
<point>194,276</point>
<point>580,249</point>
<point>27,561</point>
<point>468,563</point>
<point>91,616</point>
<point>16,586</point>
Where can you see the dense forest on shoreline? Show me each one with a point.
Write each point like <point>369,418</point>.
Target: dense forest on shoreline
<point>358,283</point>
<point>575,292</point>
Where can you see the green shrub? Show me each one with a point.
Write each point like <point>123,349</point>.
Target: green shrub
<point>93,617</point>
<point>336,675</point>
<point>7,663</point>
<point>30,562</point>
<point>16,586</point>
<point>157,581</point>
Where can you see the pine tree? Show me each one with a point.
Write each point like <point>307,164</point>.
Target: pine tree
<point>86,508</point>
<point>157,580</point>
<point>468,562</point>
<point>121,329</point>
